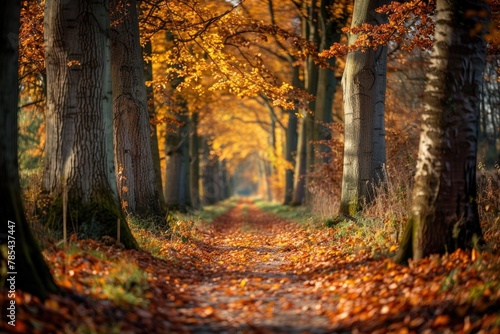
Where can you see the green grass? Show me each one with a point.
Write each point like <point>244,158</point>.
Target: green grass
<point>125,284</point>
<point>368,234</point>
<point>209,212</point>
<point>152,236</point>
<point>116,279</point>
<point>74,249</point>
<point>299,214</point>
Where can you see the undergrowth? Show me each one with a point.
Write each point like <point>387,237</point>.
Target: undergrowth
<point>101,275</point>
<point>298,214</point>
<point>182,227</point>
<point>209,212</point>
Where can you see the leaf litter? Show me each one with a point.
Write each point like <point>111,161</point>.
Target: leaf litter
<point>253,272</point>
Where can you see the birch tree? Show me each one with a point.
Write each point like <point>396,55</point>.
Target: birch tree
<point>444,213</point>
<point>363,82</point>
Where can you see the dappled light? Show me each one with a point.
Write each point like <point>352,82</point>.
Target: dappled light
<point>252,271</point>
<point>250,166</point>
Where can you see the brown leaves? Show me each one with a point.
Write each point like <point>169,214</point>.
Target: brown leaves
<point>254,272</point>
<point>410,24</point>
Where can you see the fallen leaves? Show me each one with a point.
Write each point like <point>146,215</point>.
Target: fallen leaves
<point>253,272</point>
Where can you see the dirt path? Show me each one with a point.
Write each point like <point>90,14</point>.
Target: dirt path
<point>257,273</point>
<point>252,272</point>
<point>248,285</point>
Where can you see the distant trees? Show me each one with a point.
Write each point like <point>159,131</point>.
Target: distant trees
<point>321,26</point>
<point>233,52</point>
<point>489,128</point>
<point>79,147</point>
<point>444,213</point>
<point>19,251</point>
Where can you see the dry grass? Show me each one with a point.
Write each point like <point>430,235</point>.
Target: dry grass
<point>392,199</point>
<point>488,198</point>
<point>35,205</point>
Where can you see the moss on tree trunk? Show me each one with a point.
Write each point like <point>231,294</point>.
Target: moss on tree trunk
<point>93,220</point>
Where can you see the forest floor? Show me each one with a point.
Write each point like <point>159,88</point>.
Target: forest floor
<point>253,272</point>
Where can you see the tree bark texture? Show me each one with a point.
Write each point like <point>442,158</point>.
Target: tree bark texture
<point>79,144</point>
<point>329,28</point>
<point>132,132</point>
<point>177,188</point>
<point>155,150</point>
<point>311,83</point>
<point>210,174</point>
<point>291,142</point>
<point>444,213</point>
<point>364,97</point>
<point>299,179</point>
<point>16,239</point>
<point>194,173</point>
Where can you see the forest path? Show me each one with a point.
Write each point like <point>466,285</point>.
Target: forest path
<point>249,284</point>
<point>253,272</point>
<point>258,273</point>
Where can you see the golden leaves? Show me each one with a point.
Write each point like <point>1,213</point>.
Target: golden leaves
<point>254,269</point>
<point>72,63</point>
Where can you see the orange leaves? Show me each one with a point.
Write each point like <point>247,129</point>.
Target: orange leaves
<point>214,48</point>
<point>255,271</point>
<point>410,24</point>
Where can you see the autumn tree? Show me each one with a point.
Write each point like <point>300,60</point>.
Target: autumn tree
<point>153,113</point>
<point>406,25</point>
<point>194,165</point>
<point>305,150</point>
<point>176,187</point>
<point>364,94</point>
<point>489,126</point>
<point>332,16</point>
<point>79,147</point>
<point>231,51</point>
<point>287,58</point>
<point>321,23</point>
<point>444,213</point>
<point>19,251</point>
<point>132,134</point>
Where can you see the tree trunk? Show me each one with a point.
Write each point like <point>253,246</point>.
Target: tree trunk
<point>305,149</point>
<point>211,183</point>
<point>194,173</point>
<point>364,94</point>
<point>155,150</point>
<point>329,28</point>
<point>309,119</point>
<point>444,213</point>
<point>225,180</point>
<point>177,190</point>
<point>132,134</point>
<point>299,179</point>
<point>291,143</point>
<point>185,188</point>
<point>79,144</point>
<point>311,83</point>
<point>19,251</point>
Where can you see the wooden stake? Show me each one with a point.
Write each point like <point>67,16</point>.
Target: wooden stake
<point>118,230</point>
<point>65,210</point>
